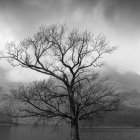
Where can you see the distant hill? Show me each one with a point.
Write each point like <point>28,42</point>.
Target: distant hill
<point>129,80</point>
<point>128,84</point>
<point>128,117</point>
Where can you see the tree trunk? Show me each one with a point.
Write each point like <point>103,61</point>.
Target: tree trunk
<point>75,130</point>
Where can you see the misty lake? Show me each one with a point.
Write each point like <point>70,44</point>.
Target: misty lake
<point>28,132</point>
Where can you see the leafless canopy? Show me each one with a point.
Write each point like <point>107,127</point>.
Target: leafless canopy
<point>47,99</point>
<point>68,57</point>
<point>56,51</point>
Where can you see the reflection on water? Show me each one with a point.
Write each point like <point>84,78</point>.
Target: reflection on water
<point>5,132</point>
<point>28,132</point>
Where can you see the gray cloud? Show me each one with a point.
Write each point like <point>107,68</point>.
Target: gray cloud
<point>84,4</point>
<point>122,11</point>
<point>114,10</point>
<point>10,3</point>
<point>24,16</point>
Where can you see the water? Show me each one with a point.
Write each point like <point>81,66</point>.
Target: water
<point>111,134</point>
<point>28,132</point>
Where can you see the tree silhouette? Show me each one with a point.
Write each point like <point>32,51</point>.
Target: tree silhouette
<point>74,92</point>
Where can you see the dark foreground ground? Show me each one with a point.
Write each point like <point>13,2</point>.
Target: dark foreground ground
<point>28,132</point>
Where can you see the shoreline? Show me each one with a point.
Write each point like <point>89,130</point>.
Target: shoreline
<point>103,127</point>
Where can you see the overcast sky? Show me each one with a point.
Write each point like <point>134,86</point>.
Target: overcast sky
<point>118,20</point>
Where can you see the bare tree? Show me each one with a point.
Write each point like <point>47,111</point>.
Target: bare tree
<point>70,57</point>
